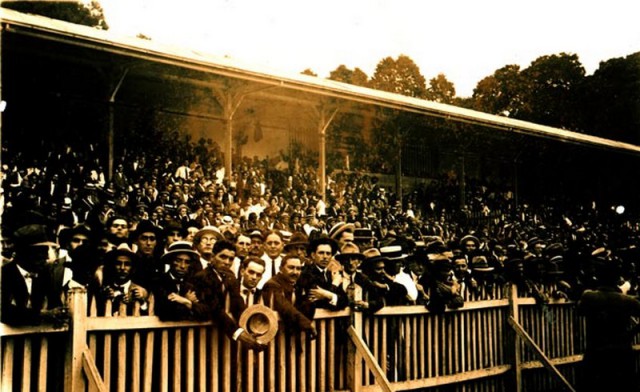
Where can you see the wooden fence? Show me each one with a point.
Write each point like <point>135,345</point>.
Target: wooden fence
<point>469,349</point>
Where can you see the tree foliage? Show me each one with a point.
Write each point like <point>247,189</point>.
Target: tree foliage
<point>87,14</point>
<point>357,77</point>
<point>500,93</point>
<point>400,76</point>
<point>441,90</point>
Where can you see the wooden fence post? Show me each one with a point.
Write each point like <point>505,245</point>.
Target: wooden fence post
<point>77,302</point>
<point>513,342</point>
<point>354,359</point>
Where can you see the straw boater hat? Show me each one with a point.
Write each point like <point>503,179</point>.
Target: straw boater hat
<point>340,228</point>
<point>208,229</point>
<point>470,237</point>
<point>348,252</point>
<point>260,321</point>
<point>179,247</point>
<point>393,252</point>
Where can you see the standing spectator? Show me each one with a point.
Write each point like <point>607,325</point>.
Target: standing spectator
<point>273,247</point>
<point>609,360</point>
<point>170,289</point>
<point>281,290</point>
<point>251,271</point>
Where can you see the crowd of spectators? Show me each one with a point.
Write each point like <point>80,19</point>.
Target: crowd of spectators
<point>268,226</point>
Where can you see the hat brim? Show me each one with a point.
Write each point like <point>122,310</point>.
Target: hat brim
<point>265,314</point>
<point>346,227</point>
<point>344,257</point>
<point>167,255</point>
<point>297,243</point>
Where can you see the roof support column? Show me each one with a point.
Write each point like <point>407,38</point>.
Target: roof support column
<point>323,124</point>
<point>111,131</point>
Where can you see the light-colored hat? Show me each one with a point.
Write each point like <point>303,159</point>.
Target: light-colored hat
<point>339,228</point>
<point>393,252</point>
<point>208,229</point>
<point>179,247</point>
<point>261,322</point>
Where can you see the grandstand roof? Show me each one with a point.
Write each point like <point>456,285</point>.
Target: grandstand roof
<point>70,42</point>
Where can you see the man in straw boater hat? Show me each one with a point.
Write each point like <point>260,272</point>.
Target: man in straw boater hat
<point>342,233</point>
<point>170,289</point>
<point>355,284</point>
<point>609,360</point>
<point>203,242</point>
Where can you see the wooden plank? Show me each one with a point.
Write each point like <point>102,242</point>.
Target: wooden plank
<point>177,362</point>
<point>226,363</point>
<point>271,366</point>
<point>122,360</point>
<point>555,361</point>
<point>7,364</point>
<point>190,359</point>
<point>202,359</point>
<point>383,345</point>
<point>164,361</point>
<point>142,322</point>
<point>136,364</point>
<point>148,362</point>
<point>443,380</point>
<point>331,353</point>
<point>215,353</point>
<point>301,363</point>
<point>547,363</point>
<point>91,372</point>
<point>361,347</point>
<point>291,368</point>
<point>26,364</point>
<point>322,344</point>
<point>7,330</point>
<point>44,360</point>
<point>313,361</point>
<point>282,364</point>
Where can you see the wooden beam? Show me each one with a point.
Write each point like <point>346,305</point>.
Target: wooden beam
<point>361,347</point>
<point>543,358</point>
<point>91,371</point>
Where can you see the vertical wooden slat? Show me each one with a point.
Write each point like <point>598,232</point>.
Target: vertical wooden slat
<point>301,363</point>
<point>281,363</point>
<point>407,365</point>
<point>414,347</point>
<point>148,362</point>
<point>291,362</point>
<point>7,364</point>
<point>202,359</point>
<point>44,360</point>
<point>177,361</point>
<point>26,364</point>
<point>214,355</point>
<point>226,363</point>
<point>331,353</point>
<point>456,342</point>
<point>164,361</point>
<point>322,350</point>
<point>190,357</point>
<point>383,345</point>
<point>122,360</point>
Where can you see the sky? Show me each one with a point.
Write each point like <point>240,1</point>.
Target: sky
<point>466,40</point>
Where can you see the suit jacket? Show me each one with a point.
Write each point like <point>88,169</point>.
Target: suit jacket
<point>165,309</point>
<point>280,293</point>
<point>16,309</point>
<point>312,277</point>
<point>212,288</point>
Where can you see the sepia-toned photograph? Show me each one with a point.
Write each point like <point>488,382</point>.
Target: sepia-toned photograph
<point>304,196</point>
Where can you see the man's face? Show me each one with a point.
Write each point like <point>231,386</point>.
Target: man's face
<point>322,255</point>
<point>352,265</point>
<point>173,236</point>
<point>251,275</point>
<point>205,245</point>
<point>123,267</point>
<point>43,253</point>
<point>346,237</point>
<point>378,271</point>
<point>224,258</point>
<point>417,267</point>
<point>78,240</point>
<point>191,233</point>
<point>470,246</point>
<point>243,243</point>
<point>180,265</point>
<point>256,246</point>
<point>119,228</point>
<point>298,250</point>
<point>291,270</point>
<point>273,246</point>
<point>147,243</point>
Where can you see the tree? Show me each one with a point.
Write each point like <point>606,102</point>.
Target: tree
<point>500,93</point>
<point>611,100</point>
<point>309,72</point>
<point>441,90</point>
<point>551,90</point>
<point>356,76</point>
<point>87,14</point>
<point>400,76</point>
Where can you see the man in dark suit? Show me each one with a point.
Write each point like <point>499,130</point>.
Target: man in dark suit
<point>251,271</point>
<point>212,287</point>
<point>27,284</point>
<point>320,287</point>
<point>354,283</point>
<point>170,289</point>
<point>282,294</point>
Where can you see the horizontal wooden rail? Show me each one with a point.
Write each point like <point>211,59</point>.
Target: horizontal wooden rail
<point>554,361</point>
<point>444,380</point>
<point>8,330</point>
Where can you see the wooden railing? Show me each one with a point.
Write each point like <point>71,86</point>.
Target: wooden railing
<point>472,348</point>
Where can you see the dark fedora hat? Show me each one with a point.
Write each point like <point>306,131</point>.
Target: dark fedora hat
<point>298,238</point>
